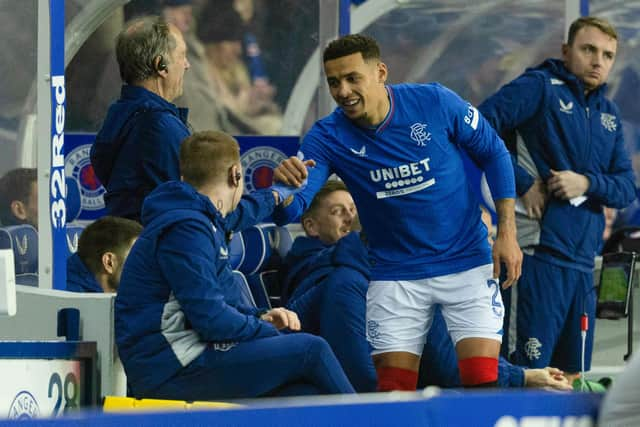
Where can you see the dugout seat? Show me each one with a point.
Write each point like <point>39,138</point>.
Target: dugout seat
<point>265,245</point>
<point>73,236</point>
<point>236,251</point>
<point>244,294</point>
<point>23,240</point>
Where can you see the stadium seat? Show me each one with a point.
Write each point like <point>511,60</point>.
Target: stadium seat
<point>244,294</point>
<point>265,287</point>
<point>256,250</point>
<point>23,240</point>
<point>265,247</point>
<point>236,251</point>
<point>73,235</point>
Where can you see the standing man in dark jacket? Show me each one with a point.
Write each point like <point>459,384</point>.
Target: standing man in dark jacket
<point>181,328</point>
<point>570,162</point>
<point>138,145</point>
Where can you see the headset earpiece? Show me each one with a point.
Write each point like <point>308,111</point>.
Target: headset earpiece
<point>238,176</point>
<point>161,65</point>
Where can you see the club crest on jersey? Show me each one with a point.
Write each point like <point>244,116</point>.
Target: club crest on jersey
<point>532,348</point>
<point>258,164</point>
<point>419,134</point>
<point>78,165</point>
<point>608,122</point>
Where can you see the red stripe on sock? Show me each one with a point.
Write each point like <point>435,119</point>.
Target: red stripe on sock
<point>396,379</point>
<point>478,370</point>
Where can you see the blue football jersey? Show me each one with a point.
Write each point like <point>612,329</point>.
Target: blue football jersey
<point>406,176</point>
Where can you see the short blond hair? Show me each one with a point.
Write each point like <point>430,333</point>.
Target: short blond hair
<point>205,157</point>
<point>591,21</point>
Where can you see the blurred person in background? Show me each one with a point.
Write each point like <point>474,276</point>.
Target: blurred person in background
<point>19,197</point>
<point>222,29</point>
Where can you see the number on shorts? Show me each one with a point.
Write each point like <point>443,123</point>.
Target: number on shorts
<point>495,304</point>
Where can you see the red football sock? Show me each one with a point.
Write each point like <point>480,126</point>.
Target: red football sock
<point>396,379</point>
<point>478,371</point>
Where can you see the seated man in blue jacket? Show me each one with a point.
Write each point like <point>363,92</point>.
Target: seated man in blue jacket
<point>181,328</point>
<point>102,249</point>
<point>325,281</point>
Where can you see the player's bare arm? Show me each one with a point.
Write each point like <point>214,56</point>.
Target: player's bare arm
<point>292,171</point>
<point>506,248</point>
<point>535,199</point>
<point>567,184</point>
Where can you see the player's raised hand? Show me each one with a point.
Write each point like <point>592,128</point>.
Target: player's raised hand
<point>292,171</point>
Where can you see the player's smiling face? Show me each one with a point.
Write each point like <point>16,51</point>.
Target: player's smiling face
<point>358,87</point>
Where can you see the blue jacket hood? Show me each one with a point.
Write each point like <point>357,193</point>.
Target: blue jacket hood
<point>173,201</point>
<point>79,277</point>
<point>557,68</point>
<point>134,100</point>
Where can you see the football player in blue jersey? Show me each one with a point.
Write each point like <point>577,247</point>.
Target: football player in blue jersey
<point>570,162</point>
<point>398,150</point>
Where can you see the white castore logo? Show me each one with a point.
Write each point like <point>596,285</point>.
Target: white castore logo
<point>72,243</point>
<point>566,108</point>
<point>360,153</point>
<point>608,122</point>
<point>22,246</point>
<point>419,134</point>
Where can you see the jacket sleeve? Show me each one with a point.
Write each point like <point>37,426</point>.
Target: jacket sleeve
<point>616,188</point>
<point>471,131</point>
<point>301,201</point>
<point>509,375</point>
<point>160,141</point>
<point>184,254</point>
<point>252,209</point>
<point>510,107</point>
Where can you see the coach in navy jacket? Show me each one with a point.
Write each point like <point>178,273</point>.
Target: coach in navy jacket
<point>570,162</point>
<point>181,328</point>
<point>137,147</point>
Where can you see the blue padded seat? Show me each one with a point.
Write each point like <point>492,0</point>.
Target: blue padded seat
<point>23,240</point>
<point>73,236</point>
<point>243,291</point>
<point>236,251</point>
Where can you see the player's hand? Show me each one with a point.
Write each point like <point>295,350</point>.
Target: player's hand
<point>506,250</point>
<point>567,184</point>
<point>282,318</point>
<point>548,378</point>
<point>292,171</point>
<point>535,199</point>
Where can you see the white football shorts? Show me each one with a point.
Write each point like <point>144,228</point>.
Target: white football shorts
<point>400,313</point>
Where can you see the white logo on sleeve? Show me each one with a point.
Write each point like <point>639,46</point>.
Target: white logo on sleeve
<point>608,122</point>
<point>532,348</point>
<point>566,108</point>
<point>472,118</point>
<point>419,134</point>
